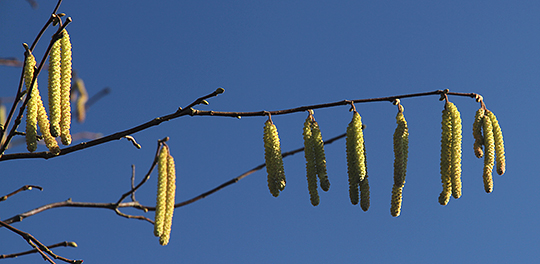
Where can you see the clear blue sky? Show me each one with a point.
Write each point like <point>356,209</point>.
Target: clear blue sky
<point>271,55</point>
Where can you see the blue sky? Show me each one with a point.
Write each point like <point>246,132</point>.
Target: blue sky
<point>159,55</point>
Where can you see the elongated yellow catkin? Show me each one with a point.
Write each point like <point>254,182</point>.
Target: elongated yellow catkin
<point>455,171</point>
<point>477,133</point>
<point>499,143</point>
<point>171,193</point>
<point>364,186</point>
<point>489,156</point>
<point>161,200</point>
<point>274,160</point>
<point>311,163</point>
<point>65,120</point>
<point>31,107</point>
<point>446,157</point>
<point>401,153</point>
<point>320,157</point>
<point>55,88</point>
<point>355,156</point>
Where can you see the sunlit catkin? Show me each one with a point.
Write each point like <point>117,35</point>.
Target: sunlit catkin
<point>320,157</point>
<point>161,200</point>
<point>171,192</point>
<point>455,172</point>
<point>55,88</point>
<point>364,186</point>
<point>499,143</point>
<point>274,160</point>
<point>446,157</point>
<point>489,156</point>
<point>355,156</point>
<point>401,152</point>
<point>31,107</point>
<point>311,163</point>
<point>477,133</point>
<point>65,120</point>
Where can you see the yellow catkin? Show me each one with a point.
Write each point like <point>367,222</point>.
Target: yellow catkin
<point>65,121</point>
<point>311,163</point>
<point>477,133</point>
<point>355,156</point>
<point>54,88</point>
<point>31,107</point>
<point>455,172</point>
<point>489,156</point>
<point>161,200</point>
<point>364,186</point>
<point>320,157</point>
<point>446,157</point>
<point>81,99</point>
<point>171,193</point>
<point>274,160</point>
<point>499,143</point>
<point>401,153</point>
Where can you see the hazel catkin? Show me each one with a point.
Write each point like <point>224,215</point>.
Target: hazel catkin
<point>355,156</point>
<point>489,155</point>
<point>446,157</point>
<point>161,198</point>
<point>499,143</point>
<point>31,107</point>
<point>401,152</point>
<point>274,160</point>
<point>170,200</point>
<point>311,163</point>
<point>65,88</point>
<point>320,157</point>
<point>455,172</point>
<point>55,88</point>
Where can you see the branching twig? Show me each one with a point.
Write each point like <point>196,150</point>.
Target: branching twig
<point>24,188</point>
<point>61,244</point>
<point>192,112</point>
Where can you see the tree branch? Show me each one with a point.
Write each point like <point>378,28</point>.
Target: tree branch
<point>24,188</point>
<point>61,244</point>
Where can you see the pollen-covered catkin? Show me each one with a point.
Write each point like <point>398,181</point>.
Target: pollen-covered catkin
<point>65,121</point>
<point>274,160</point>
<point>311,163</point>
<point>446,157</point>
<point>489,156</point>
<point>499,143</point>
<point>171,193</point>
<point>455,173</point>
<point>477,133</point>
<point>401,152</point>
<point>161,200</point>
<point>55,88</point>
<point>355,156</point>
<point>364,186</point>
<point>320,157</point>
<point>31,107</point>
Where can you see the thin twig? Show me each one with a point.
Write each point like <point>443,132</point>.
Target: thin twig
<point>61,244</point>
<point>192,112</point>
<point>24,188</point>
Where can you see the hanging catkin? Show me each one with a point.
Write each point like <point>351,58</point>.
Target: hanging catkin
<point>311,162</point>
<point>161,200</point>
<point>55,88</point>
<point>65,120</point>
<point>274,160</point>
<point>401,152</point>
<point>356,166</point>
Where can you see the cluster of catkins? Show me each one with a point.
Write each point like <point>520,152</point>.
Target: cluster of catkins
<point>58,94</point>
<point>166,191</point>
<point>486,131</point>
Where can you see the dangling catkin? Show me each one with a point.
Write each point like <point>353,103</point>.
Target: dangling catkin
<point>320,157</point>
<point>274,160</point>
<point>355,156</point>
<point>311,163</point>
<point>489,156</point>
<point>446,157</point>
<point>169,210</point>
<point>65,121</point>
<point>54,88</point>
<point>477,133</point>
<point>364,186</point>
<point>31,107</point>
<point>455,173</point>
<point>401,153</point>
<point>499,143</point>
<point>161,200</point>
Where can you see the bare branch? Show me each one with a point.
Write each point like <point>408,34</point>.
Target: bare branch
<point>24,188</point>
<point>61,244</point>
